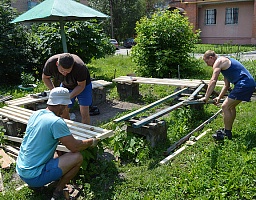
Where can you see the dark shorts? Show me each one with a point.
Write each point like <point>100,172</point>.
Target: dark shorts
<point>241,93</point>
<point>51,172</point>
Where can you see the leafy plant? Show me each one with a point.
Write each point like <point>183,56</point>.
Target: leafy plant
<point>128,146</point>
<point>164,42</point>
<point>14,46</point>
<point>27,79</point>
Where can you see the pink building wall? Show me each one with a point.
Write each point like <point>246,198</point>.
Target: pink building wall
<point>220,33</point>
<point>242,33</point>
<point>22,5</point>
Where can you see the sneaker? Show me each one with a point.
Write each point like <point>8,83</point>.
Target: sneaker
<point>221,134</point>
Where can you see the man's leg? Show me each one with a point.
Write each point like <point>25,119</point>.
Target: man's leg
<point>70,164</point>
<point>229,112</point>
<point>85,114</point>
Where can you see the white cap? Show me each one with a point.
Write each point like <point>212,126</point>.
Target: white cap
<point>59,96</point>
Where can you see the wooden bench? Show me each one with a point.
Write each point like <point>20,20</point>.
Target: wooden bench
<point>99,95</point>
<point>128,86</point>
<point>79,130</point>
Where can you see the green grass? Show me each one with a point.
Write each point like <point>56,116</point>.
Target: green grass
<point>224,48</point>
<point>206,170</point>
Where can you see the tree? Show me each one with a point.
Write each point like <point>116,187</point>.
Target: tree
<point>123,15</point>
<point>163,45</point>
<point>14,46</point>
<point>85,39</point>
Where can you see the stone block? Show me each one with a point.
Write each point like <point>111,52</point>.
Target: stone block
<point>155,131</point>
<point>98,96</point>
<point>128,90</point>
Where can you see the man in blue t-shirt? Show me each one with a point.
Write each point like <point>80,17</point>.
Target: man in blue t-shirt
<point>244,86</point>
<point>37,163</point>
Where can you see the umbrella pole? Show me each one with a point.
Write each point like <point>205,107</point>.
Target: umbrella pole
<point>63,37</point>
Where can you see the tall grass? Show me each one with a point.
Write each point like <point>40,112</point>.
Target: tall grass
<point>223,48</point>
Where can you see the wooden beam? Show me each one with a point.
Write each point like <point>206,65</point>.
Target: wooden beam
<point>157,115</point>
<point>170,157</point>
<point>199,88</point>
<point>132,114</point>
<point>185,138</point>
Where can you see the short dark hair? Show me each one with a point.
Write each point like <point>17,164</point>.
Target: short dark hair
<point>66,60</point>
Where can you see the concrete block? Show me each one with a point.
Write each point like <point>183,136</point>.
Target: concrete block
<point>155,132</point>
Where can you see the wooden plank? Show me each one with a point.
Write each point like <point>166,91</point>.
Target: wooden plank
<point>19,140</point>
<point>26,100</point>
<point>170,157</point>
<point>5,98</point>
<point>164,81</point>
<point>72,124</point>
<point>100,84</point>
<point>156,115</point>
<point>77,129</point>
<point>132,114</point>
<point>192,96</point>
<point>1,183</point>
<point>185,138</point>
<point>173,82</point>
<point>5,161</point>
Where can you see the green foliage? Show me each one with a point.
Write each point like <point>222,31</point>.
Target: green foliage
<point>164,42</point>
<point>129,147</point>
<point>83,38</point>
<point>223,48</point>
<point>14,46</point>
<point>123,15</point>
<point>26,79</point>
<point>2,132</point>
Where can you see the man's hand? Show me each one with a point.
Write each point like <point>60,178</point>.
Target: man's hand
<point>203,99</point>
<point>216,100</point>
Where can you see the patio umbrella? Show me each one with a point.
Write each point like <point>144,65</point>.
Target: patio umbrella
<point>60,11</point>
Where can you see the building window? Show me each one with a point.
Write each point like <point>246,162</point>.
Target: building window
<point>231,16</point>
<point>210,16</point>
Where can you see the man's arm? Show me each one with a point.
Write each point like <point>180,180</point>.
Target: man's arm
<point>75,145</point>
<point>78,89</point>
<point>223,91</point>
<point>47,81</point>
<point>213,81</point>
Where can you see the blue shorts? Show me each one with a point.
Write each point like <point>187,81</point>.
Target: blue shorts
<point>84,98</point>
<point>51,172</point>
<point>241,93</point>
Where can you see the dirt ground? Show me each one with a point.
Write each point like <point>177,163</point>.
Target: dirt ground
<point>108,110</point>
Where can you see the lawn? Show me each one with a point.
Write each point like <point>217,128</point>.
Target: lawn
<point>205,170</point>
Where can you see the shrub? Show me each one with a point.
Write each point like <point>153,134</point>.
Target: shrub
<point>164,42</point>
<point>14,46</point>
<point>83,38</point>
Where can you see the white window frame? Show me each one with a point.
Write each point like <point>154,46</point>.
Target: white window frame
<point>210,16</point>
<point>231,16</point>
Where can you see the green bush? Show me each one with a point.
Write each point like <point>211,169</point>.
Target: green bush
<point>83,38</point>
<point>164,42</point>
<point>14,46</point>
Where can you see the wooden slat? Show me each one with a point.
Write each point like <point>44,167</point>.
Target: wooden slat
<point>26,100</point>
<point>100,84</point>
<point>19,140</point>
<point>78,130</point>
<point>164,81</point>
<point>36,99</point>
<point>156,115</point>
<point>132,114</point>
<point>173,82</point>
